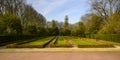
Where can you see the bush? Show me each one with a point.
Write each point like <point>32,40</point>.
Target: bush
<point>113,25</point>
<point>107,37</point>
<point>24,46</point>
<point>11,39</point>
<point>95,46</point>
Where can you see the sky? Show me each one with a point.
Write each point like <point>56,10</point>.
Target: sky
<point>58,9</point>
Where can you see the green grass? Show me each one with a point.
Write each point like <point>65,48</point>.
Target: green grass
<point>61,42</point>
<point>82,42</point>
<point>78,41</point>
<point>88,43</point>
<point>37,43</point>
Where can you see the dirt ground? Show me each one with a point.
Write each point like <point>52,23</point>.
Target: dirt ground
<point>61,56</point>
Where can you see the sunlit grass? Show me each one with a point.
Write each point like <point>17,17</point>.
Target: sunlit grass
<point>87,41</point>
<point>61,42</point>
<point>78,41</point>
<point>39,41</point>
<point>83,42</point>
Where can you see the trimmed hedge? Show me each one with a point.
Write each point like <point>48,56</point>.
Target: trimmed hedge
<point>95,46</point>
<point>107,37</point>
<point>18,45</point>
<point>24,46</point>
<point>11,39</point>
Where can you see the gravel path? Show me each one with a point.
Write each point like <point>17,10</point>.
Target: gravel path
<point>61,56</point>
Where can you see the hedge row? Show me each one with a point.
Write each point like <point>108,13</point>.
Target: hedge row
<point>95,46</point>
<point>24,46</point>
<point>19,45</point>
<point>63,46</point>
<point>10,39</point>
<point>110,37</point>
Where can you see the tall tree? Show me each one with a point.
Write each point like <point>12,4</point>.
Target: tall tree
<point>66,30</point>
<point>113,26</point>
<point>53,24</point>
<point>26,13</point>
<point>79,30</point>
<point>12,7</point>
<point>104,8</point>
<point>66,24</point>
<point>118,7</point>
<point>31,16</point>
<point>94,24</point>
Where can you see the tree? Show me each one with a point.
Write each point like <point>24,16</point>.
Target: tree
<point>85,18</point>
<point>53,24</point>
<point>113,25</point>
<point>26,13</point>
<point>10,25</point>
<point>118,7</point>
<point>79,30</point>
<point>55,28</point>
<point>31,16</point>
<point>66,30</point>
<point>30,30</point>
<point>41,31</point>
<point>104,8</point>
<point>94,24</point>
<point>12,7</point>
<point>66,24</point>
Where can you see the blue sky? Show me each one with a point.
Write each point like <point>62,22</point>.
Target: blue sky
<point>58,9</point>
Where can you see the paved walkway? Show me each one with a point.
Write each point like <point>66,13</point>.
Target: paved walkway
<point>61,56</point>
<point>60,49</point>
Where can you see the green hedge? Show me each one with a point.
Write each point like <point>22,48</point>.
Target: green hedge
<point>107,37</point>
<point>24,46</point>
<point>11,39</point>
<point>95,46</point>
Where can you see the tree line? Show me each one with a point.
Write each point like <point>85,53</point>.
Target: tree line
<point>19,18</point>
<point>103,19</point>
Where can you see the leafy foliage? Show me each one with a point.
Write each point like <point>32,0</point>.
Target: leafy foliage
<point>94,24</point>
<point>10,25</point>
<point>113,25</point>
<point>79,30</point>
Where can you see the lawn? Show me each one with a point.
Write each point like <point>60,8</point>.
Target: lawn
<point>61,42</point>
<point>65,41</point>
<point>37,43</point>
<point>84,42</point>
<point>78,41</point>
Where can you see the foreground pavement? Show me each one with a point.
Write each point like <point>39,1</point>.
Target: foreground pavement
<point>60,54</point>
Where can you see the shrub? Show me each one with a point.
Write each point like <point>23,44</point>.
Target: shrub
<point>95,46</point>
